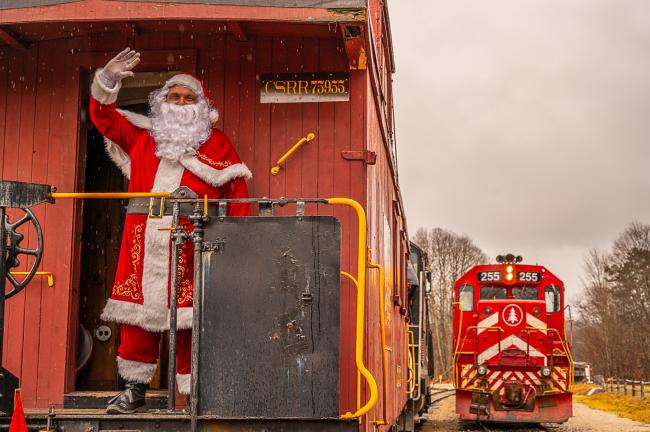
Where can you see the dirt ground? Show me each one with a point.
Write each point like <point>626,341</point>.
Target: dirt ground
<point>442,417</point>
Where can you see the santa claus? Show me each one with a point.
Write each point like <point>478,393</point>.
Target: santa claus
<point>176,145</point>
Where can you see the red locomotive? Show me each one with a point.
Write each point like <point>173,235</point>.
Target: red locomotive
<point>512,361</point>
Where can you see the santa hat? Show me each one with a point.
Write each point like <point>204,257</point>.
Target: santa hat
<point>188,81</point>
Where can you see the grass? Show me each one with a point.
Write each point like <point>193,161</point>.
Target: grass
<point>634,408</point>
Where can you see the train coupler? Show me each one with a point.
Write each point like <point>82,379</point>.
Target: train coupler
<point>480,404</point>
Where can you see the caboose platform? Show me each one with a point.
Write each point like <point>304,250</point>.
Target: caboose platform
<point>96,420</point>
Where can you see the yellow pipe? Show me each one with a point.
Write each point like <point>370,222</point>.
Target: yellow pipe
<point>356,284</point>
<point>415,380</point>
<point>105,195</point>
<point>361,280</point>
<point>50,276</point>
<point>382,331</point>
<point>276,169</point>
<point>410,383</point>
<point>460,326</point>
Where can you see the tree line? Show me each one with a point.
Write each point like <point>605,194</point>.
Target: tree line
<point>450,255</point>
<point>611,330</point>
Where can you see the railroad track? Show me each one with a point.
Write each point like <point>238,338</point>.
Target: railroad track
<point>439,394</point>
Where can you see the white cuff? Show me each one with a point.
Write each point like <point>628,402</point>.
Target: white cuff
<point>102,94</point>
<point>132,370</point>
<point>183,381</point>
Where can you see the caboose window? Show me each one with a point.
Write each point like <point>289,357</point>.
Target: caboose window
<point>490,292</point>
<point>552,298</point>
<point>524,293</point>
<point>466,298</point>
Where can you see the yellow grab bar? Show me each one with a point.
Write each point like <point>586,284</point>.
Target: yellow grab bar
<point>460,326</point>
<point>361,287</point>
<point>382,330</point>
<point>410,348</point>
<point>356,284</point>
<point>276,169</point>
<point>105,195</point>
<point>50,276</point>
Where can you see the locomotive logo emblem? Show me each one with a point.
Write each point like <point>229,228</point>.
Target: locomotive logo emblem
<point>512,315</point>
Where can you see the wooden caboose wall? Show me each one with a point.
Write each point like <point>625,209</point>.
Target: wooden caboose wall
<point>42,129</point>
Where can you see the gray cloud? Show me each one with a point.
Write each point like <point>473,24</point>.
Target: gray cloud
<point>524,124</point>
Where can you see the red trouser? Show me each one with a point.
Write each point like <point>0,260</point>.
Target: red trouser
<point>141,349</point>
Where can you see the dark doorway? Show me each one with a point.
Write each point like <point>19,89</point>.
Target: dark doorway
<point>101,239</point>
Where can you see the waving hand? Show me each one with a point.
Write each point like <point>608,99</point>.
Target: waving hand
<point>119,67</point>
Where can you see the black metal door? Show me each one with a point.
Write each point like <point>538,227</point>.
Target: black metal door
<point>270,329</point>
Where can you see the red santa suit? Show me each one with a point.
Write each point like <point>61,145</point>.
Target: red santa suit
<point>140,297</point>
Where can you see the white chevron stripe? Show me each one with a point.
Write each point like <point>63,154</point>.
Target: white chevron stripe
<point>533,378</point>
<point>487,322</point>
<point>535,323</point>
<point>510,340</point>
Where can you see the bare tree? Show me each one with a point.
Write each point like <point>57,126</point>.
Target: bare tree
<point>614,327</point>
<point>450,255</point>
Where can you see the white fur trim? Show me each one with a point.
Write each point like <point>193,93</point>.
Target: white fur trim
<point>213,176</point>
<point>214,116</point>
<point>137,120</point>
<point>143,316</point>
<point>155,271</point>
<point>185,80</point>
<point>119,157</point>
<point>132,370</point>
<point>183,381</point>
<point>101,93</point>
<point>184,317</point>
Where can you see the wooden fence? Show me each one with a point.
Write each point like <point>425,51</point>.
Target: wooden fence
<point>625,387</point>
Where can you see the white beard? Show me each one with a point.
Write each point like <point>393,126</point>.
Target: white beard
<point>179,130</point>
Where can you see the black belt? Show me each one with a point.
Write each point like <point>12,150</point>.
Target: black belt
<point>161,207</point>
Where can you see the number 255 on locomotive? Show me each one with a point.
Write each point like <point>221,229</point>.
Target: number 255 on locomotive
<point>512,360</point>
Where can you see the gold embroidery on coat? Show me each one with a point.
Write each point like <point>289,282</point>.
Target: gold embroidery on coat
<point>129,288</point>
<point>217,164</point>
<point>184,282</point>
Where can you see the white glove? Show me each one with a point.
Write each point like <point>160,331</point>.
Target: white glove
<point>119,67</point>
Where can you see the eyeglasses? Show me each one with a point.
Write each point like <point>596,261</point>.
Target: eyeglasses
<point>175,98</point>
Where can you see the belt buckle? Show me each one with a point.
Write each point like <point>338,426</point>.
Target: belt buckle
<point>161,213</point>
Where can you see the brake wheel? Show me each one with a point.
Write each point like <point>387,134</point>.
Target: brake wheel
<point>14,250</point>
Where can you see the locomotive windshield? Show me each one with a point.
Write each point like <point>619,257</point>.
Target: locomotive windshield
<point>491,292</point>
<point>524,293</point>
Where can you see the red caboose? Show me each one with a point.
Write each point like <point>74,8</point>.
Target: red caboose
<point>512,361</point>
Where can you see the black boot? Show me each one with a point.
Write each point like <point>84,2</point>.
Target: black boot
<point>129,400</point>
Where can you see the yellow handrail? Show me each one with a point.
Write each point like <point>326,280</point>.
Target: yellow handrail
<point>106,195</point>
<point>356,284</point>
<point>361,281</point>
<point>382,331</point>
<point>460,326</point>
<point>565,346</point>
<point>410,348</point>
<point>50,276</point>
<point>276,169</point>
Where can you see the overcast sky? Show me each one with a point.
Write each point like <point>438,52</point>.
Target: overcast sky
<point>524,124</point>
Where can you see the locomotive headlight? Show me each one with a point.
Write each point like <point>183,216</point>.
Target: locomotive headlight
<point>482,370</point>
<point>545,371</point>
<point>536,311</point>
<point>509,275</point>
